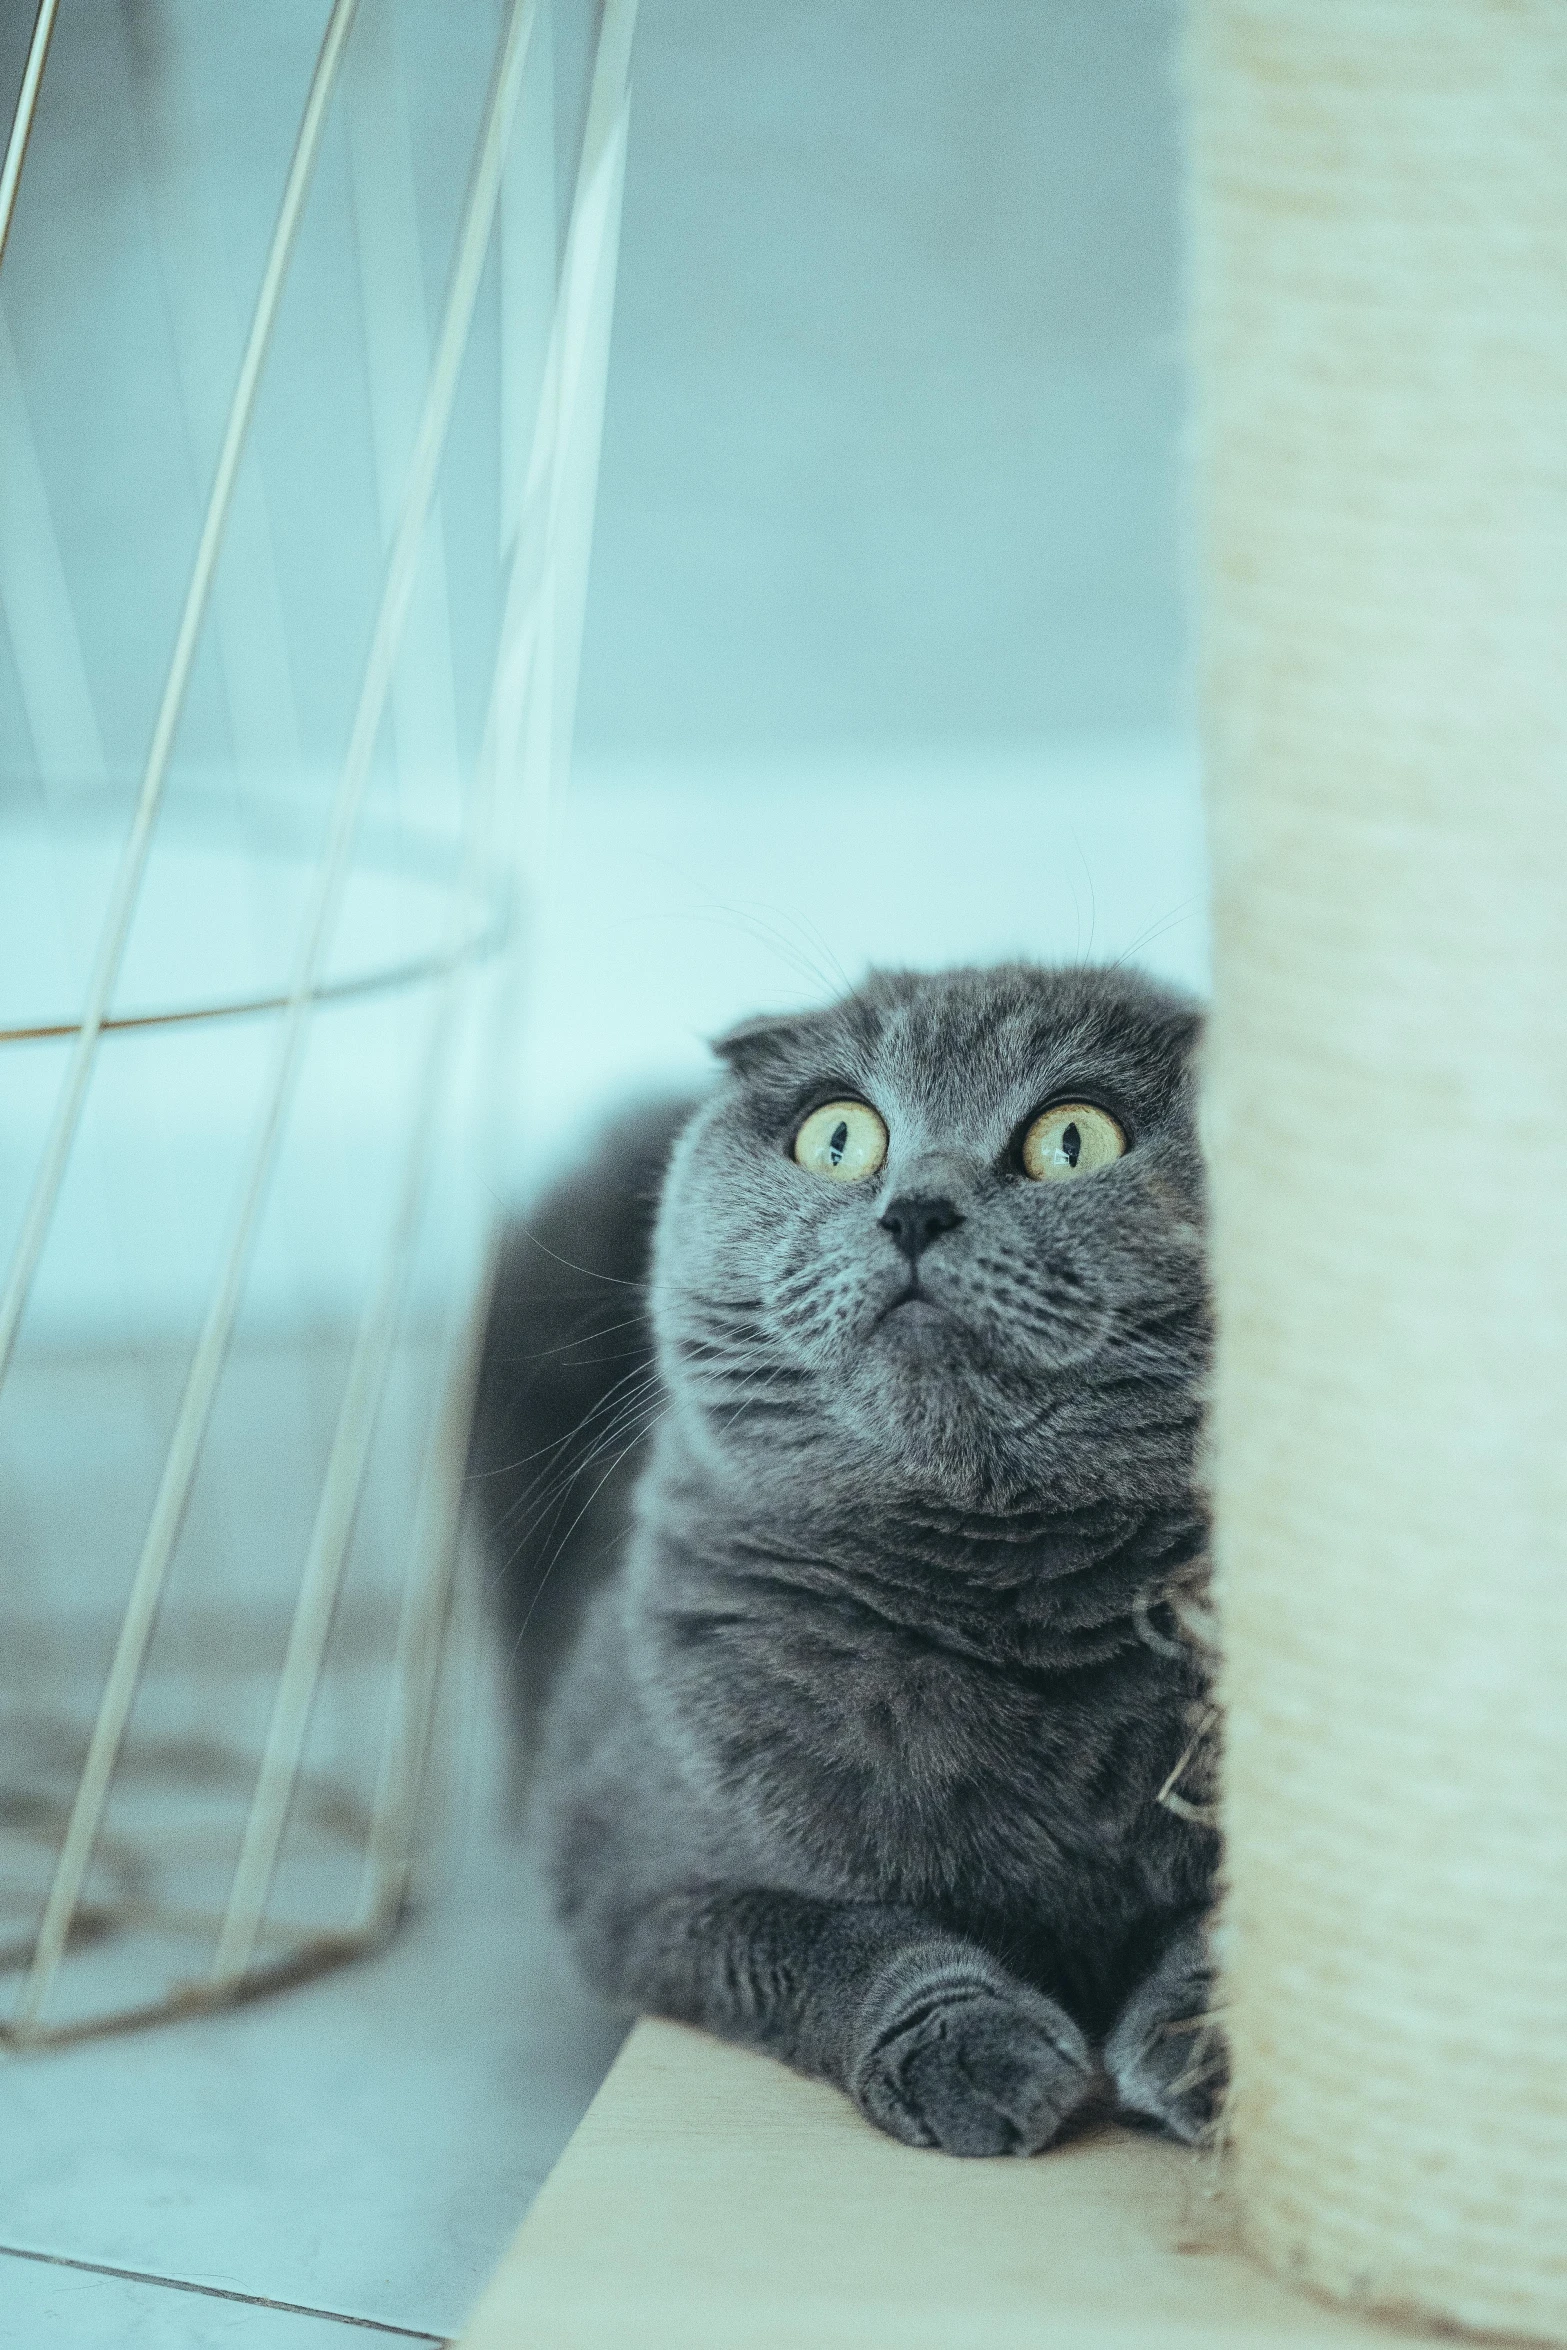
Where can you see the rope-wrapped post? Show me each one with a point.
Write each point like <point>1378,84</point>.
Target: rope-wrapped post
<point>1379,250</point>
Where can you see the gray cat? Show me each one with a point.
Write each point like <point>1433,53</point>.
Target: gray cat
<point>855,1745</point>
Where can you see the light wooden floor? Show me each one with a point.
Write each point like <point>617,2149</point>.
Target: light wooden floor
<point>712,2201</point>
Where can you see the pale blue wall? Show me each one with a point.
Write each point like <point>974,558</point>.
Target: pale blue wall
<point>892,443</point>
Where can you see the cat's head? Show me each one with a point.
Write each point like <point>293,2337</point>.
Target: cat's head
<point>947,1235</point>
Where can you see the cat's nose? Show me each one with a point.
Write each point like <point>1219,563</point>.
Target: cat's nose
<point>914,1218</point>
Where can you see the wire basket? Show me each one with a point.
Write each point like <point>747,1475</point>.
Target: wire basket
<point>292,587</point>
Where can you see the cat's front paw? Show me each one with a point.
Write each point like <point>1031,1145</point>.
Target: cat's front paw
<point>969,2061</point>
<point>1166,2056</point>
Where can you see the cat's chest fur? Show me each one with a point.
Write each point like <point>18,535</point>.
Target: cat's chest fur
<point>884,1736</point>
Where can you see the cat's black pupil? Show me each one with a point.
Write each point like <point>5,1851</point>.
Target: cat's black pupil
<point>1071,1144</point>
<point>840,1137</point>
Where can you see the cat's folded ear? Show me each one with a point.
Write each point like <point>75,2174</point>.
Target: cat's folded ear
<point>751,1044</point>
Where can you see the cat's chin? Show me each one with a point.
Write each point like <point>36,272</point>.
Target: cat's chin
<point>920,1330</point>
<point>920,1383</point>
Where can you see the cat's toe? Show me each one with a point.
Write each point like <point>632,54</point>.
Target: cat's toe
<point>1176,2079</point>
<point>1166,2057</point>
<point>974,2068</point>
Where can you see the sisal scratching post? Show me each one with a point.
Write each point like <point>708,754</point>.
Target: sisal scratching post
<point>1380,257</point>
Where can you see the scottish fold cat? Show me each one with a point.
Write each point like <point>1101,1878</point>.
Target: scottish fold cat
<point>840,1585</point>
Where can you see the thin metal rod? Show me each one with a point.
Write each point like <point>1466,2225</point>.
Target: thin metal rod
<point>343,1484</point>
<point>372,1353</point>
<point>590,238</point>
<point>133,857</point>
<point>486,930</point>
<point>397,355</point>
<point>421,1630</point>
<point>247,598</point>
<point>46,644</point>
<point>580,390</point>
<point>336,1512</point>
<point>434,1544</point>
<point>22,119</point>
<point>529,274</point>
<point>522,672</point>
<point>433,1548</point>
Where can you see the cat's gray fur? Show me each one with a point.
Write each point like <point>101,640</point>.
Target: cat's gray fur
<point>856,1751</point>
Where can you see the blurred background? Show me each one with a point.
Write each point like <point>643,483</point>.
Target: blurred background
<point>889,461</point>
<point>883,660</point>
<point>885,654</point>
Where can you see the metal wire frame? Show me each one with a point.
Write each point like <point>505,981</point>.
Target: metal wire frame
<point>386,225</point>
<point>22,119</point>
<point>482,933</point>
<point>39,616</point>
<point>248,621</point>
<point>555,511</point>
<point>527,634</point>
<point>133,857</point>
<point>131,1899</point>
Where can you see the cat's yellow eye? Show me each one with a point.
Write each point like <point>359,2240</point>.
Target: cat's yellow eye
<point>843,1140</point>
<point>1072,1139</point>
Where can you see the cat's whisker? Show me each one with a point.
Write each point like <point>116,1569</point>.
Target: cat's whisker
<point>1159,928</point>
<point>543,1354</point>
<point>510,1467</point>
<point>588,1272</point>
<point>631,1427</point>
<point>556,1554</point>
<point>816,941</point>
<point>626,1410</point>
<point>1085,954</point>
<point>726,913</point>
<point>528,1509</point>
